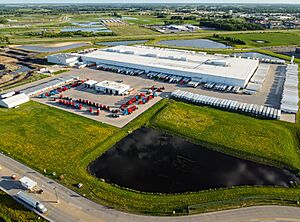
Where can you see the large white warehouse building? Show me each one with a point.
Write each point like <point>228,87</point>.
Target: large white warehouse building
<point>209,68</point>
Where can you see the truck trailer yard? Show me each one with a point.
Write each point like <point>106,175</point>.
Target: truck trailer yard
<point>269,95</point>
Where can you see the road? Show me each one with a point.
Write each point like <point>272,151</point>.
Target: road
<point>73,207</point>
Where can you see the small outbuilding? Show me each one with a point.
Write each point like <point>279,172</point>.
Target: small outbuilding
<point>90,83</point>
<point>112,87</point>
<point>14,100</point>
<point>27,183</point>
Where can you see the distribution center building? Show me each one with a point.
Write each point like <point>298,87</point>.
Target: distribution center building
<point>209,68</point>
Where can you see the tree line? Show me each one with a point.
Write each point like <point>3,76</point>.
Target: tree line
<point>69,34</point>
<point>229,39</point>
<point>230,24</point>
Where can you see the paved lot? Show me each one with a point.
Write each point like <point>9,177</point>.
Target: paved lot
<point>269,95</point>
<point>73,207</point>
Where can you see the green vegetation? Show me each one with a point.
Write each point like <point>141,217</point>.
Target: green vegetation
<point>233,133</point>
<point>66,143</point>
<point>60,72</point>
<point>228,39</point>
<point>267,38</point>
<point>3,20</point>
<point>64,150</point>
<point>68,34</point>
<point>142,20</point>
<point>134,30</point>
<point>10,211</point>
<point>230,24</point>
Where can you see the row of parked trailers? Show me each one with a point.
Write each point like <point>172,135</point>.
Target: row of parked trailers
<point>252,109</point>
<point>290,97</point>
<point>257,79</point>
<point>265,60</point>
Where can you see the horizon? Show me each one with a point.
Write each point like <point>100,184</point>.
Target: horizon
<point>247,2</point>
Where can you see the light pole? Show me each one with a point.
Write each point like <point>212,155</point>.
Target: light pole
<point>57,200</point>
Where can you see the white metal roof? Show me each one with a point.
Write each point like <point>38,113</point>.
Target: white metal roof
<point>290,96</point>
<point>47,85</point>
<point>179,60</point>
<point>29,182</point>
<point>113,85</point>
<point>90,82</point>
<point>14,100</point>
<point>65,56</point>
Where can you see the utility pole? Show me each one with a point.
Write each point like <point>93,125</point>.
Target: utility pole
<point>57,200</point>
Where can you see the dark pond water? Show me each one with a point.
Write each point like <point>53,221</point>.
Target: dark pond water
<point>151,161</point>
<point>87,24</point>
<point>254,55</point>
<point>122,42</point>
<point>195,43</point>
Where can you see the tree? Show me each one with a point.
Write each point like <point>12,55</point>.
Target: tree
<point>3,21</point>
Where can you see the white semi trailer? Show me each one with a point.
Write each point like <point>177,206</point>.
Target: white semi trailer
<point>31,202</point>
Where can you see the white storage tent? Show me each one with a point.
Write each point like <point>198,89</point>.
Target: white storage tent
<point>14,100</point>
<point>290,97</point>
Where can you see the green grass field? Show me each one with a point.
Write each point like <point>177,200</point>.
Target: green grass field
<point>250,138</point>
<point>142,20</point>
<point>269,38</point>
<point>129,30</point>
<point>47,138</point>
<point>11,211</point>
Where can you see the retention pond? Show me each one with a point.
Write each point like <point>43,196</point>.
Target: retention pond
<point>195,43</point>
<point>151,161</point>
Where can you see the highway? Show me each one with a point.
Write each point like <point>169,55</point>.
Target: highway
<point>73,207</point>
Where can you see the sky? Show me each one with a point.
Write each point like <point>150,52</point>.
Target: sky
<point>150,1</point>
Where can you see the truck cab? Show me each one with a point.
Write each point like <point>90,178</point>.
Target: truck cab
<point>40,207</point>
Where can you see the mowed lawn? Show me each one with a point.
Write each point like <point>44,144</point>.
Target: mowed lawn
<point>131,30</point>
<point>10,210</point>
<point>251,138</point>
<point>269,38</point>
<point>48,138</point>
<point>44,137</point>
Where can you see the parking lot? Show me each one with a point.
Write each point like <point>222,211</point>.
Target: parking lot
<point>269,95</point>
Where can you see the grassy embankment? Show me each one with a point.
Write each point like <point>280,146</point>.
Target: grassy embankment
<point>11,211</point>
<point>46,138</point>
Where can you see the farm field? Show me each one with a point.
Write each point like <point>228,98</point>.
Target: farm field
<point>11,211</point>
<point>47,138</point>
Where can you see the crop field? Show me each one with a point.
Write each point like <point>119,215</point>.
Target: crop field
<point>47,138</point>
<point>11,211</point>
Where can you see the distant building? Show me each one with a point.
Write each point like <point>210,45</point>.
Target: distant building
<point>68,59</point>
